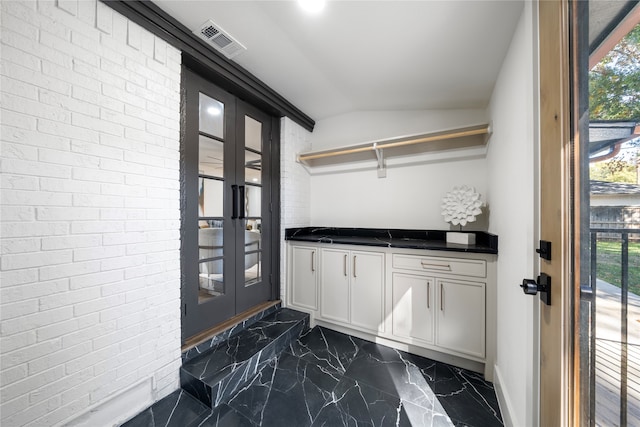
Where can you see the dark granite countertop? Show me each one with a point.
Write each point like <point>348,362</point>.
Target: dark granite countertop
<point>392,238</point>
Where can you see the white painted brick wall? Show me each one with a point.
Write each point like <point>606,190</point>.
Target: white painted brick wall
<point>90,279</point>
<point>295,187</point>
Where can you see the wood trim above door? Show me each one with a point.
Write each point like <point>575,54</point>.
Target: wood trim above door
<point>556,320</point>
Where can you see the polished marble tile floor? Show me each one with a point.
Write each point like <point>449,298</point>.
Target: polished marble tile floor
<point>326,378</point>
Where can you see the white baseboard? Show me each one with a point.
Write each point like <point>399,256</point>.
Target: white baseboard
<point>506,408</point>
<point>117,408</point>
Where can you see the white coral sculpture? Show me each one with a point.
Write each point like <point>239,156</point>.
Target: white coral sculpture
<point>461,205</point>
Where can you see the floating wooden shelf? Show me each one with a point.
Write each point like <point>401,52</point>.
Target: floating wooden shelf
<point>451,139</point>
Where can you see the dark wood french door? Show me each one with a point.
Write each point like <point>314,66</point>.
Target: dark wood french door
<point>227,182</point>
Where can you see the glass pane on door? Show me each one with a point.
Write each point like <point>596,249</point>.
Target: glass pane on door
<point>252,167</point>
<point>253,201</point>
<point>210,198</point>
<point>211,116</point>
<point>609,143</point>
<point>211,157</point>
<point>211,279</point>
<point>253,134</point>
<point>211,180</point>
<point>252,257</point>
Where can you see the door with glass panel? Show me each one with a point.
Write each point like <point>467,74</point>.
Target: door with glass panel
<point>606,104</point>
<point>589,133</point>
<point>226,167</point>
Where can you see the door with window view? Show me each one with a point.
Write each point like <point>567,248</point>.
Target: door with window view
<point>589,133</point>
<point>226,192</point>
<point>606,63</point>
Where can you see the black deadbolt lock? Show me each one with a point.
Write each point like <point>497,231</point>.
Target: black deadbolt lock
<point>542,285</point>
<point>544,250</point>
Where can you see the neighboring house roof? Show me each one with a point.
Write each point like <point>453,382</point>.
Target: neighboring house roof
<point>611,188</point>
<point>609,134</point>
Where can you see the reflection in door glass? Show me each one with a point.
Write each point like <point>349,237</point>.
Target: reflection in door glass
<point>252,261</point>
<point>210,266</point>
<point>211,116</point>
<point>210,157</point>
<point>252,167</point>
<point>253,201</point>
<point>210,198</point>
<point>253,134</point>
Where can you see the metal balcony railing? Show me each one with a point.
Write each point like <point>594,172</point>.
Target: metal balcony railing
<point>614,360</point>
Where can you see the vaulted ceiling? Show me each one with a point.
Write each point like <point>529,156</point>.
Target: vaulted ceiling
<point>366,55</point>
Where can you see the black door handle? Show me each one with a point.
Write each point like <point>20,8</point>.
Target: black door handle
<point>241,203</point>
<point>542,285</point>
<point>234,206</point>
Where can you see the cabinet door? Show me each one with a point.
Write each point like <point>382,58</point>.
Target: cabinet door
<point>412,311</point>
<point>367,275</point>
<point>304,285</point>
<point>334,284</point>
<point>461,316</point>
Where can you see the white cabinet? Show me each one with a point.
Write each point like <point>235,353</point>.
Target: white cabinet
<point>351,288</point>
<point>367,290</point>
<point>334,287</point>
<point>461,316</point>
<point>439,306</point>
<point>304,275</point>
<point>443,312</point>
<point>439,302</point>
<point>413,302</point>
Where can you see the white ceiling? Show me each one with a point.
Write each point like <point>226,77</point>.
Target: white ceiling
<point>367,55</point>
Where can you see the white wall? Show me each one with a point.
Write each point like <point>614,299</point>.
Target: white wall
<point>295,187</point>
<point>90,292</point>
<point>410,195</point>
<point>512,171</point>
<point>364,126</point>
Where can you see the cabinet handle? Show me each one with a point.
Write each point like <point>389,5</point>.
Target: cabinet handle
<point>345,264</point>
<point>354,266</point>
<point>428,294</point>
<point>313,260</point>
<point>441,298</point>
<point>440,266</point>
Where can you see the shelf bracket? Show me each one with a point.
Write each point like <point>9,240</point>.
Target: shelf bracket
<point>382,169</point>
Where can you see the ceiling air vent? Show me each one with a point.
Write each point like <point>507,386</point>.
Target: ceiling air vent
<point>219,39</point>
